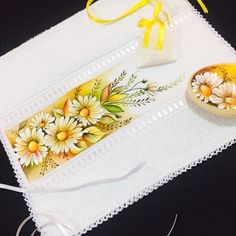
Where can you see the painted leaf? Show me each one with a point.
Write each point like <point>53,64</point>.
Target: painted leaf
<point>93,134</point>
<point>58,113</point>
<point>117,97</point>
<point>105,93</point>
<point>118,89</point>
<point>22,125</point>
<point>82,144</point>
<point>66,107</point>
<point>107,120</point>
<point>113,108</point>
<point>77,149</point>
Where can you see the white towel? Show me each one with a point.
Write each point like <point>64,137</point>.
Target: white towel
<point>172,135</point>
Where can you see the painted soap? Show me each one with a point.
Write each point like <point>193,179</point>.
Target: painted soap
<point>213,88</point>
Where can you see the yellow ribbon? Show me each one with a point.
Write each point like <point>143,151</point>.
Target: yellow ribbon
<point>133,9</point>
<point>143,22</point>
<point>203,6</point>
<point>148,23</point>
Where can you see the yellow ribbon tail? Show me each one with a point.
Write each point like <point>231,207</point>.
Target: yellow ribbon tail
<point>168,17</point>
<point>142,23</point>
<point>161,35</point>
<point>203,6</point>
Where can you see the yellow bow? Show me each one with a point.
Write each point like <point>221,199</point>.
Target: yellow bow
<point>150,23</point>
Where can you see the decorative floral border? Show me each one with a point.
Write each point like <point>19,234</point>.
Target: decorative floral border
<point>78,120</point>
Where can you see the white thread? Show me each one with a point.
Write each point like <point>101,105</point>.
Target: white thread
<point>75,188</point>
<point>62,226</point>
<point>22,225</point>
<point>173,225</point>
<point>53,221</point>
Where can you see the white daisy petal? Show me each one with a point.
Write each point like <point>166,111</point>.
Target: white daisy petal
<point>41,120</point>
<point>224,96</point>
<point>62,135</point>
<point>85,109</point>
<point>215,99</point>
<point>28,144</point>
<point>204,84</point>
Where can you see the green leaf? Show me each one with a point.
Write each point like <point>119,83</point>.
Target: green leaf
<point>118,89</point>
<point>93,134</point>
<point>22,125</point>
<point>113,108</point>
<point>106,120</point>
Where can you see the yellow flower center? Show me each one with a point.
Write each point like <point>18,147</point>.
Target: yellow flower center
<point>205,90</point>
<point>62,136</point>
<point>84,112</point>
<point>230,100</point>
<point>42,124</point>
<point>33,146</point>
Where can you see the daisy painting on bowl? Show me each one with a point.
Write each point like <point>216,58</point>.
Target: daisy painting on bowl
<point>214,89</point>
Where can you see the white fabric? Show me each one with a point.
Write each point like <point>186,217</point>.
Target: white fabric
<point>173,135</point>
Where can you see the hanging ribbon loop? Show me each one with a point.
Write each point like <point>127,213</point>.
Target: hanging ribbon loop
<point>143,22</point>
<point>130,11</point>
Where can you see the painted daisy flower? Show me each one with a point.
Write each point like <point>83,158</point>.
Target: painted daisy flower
<point>87,109</point>
<point>30,147</point>
<point>62,135</point>
<point>203,85</point>
<point>224,96</point>
<point>151,88</point>
<point>42,120</point>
